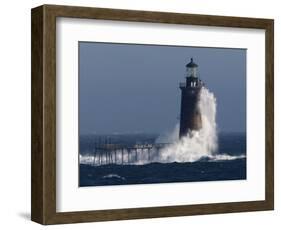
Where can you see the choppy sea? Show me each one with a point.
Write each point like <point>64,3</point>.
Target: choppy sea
<point>229,163</point>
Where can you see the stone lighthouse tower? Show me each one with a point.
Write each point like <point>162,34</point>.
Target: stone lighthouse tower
<point>190,117</point>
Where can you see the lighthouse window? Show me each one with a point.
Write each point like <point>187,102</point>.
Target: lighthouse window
<point>192,72</point>
<point>192,84</point>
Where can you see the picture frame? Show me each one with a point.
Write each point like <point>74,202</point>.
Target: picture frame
<point>43,96</point>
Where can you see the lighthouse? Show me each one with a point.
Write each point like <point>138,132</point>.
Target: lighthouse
<point>190,117</point>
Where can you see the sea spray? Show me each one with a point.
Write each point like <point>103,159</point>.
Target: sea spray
<point>196,144</point>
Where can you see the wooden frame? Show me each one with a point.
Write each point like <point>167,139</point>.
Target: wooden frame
<point>43,208</point>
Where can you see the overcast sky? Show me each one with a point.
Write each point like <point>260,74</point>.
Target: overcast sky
<point>135,88</point>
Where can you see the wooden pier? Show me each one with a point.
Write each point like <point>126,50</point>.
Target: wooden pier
<point>108,153</point>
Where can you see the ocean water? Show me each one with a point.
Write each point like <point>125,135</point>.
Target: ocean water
<point>228,162</point>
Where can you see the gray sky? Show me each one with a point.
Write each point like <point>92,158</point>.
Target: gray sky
<point>135,88</point>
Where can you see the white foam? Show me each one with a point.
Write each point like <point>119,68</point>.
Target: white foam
<point>226,157</point>
<point>110,176</point>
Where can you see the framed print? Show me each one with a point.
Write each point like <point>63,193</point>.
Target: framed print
<point>140,114</point>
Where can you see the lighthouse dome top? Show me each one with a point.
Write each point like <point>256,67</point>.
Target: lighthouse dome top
<point>191,64</point>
